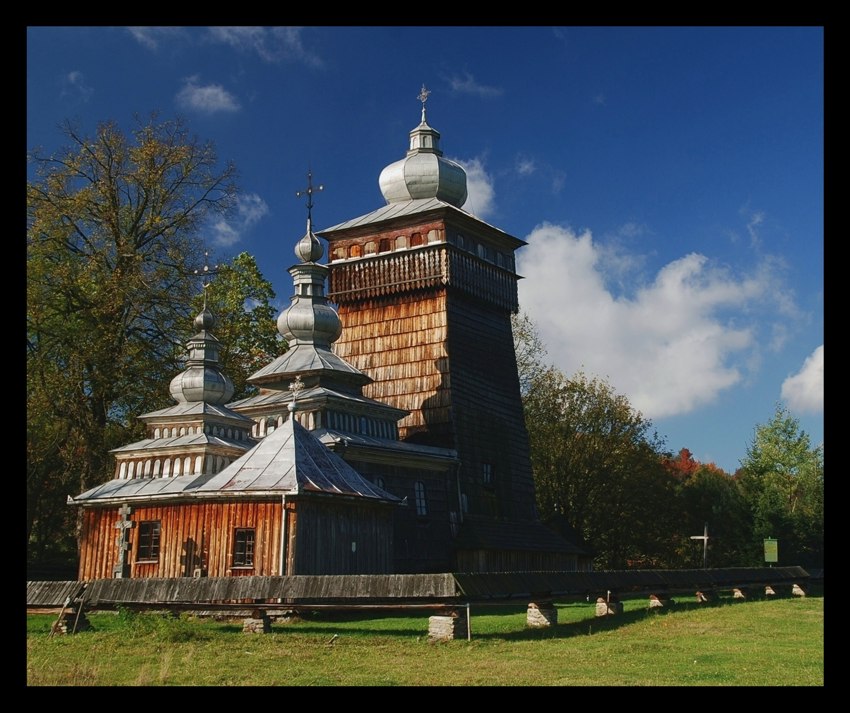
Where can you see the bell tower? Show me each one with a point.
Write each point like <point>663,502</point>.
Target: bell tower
<point>425,292</point>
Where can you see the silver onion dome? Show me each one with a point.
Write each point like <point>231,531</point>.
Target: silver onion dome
<point>424,172</point>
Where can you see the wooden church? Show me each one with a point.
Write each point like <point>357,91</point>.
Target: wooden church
<point>388,438</point>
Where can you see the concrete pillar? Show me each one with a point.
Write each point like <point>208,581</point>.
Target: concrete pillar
<point>541,614</point>
<point>448,627</point>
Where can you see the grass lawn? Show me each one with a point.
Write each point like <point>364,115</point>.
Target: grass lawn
<point>776,642</point>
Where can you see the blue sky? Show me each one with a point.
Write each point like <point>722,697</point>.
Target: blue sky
<point>669,181</point>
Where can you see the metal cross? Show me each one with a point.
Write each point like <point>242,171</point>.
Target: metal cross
<point>423,97</point>
<point>296,387</point>
<point>309,193</point>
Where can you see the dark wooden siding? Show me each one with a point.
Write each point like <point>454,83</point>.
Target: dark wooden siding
<point>487,414</point>
<point>422,543</point>
<point>340,537</point>
<point>192,535</point>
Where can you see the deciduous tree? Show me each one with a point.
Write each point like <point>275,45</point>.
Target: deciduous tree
<point>113,232</point>
<point>782,479</point>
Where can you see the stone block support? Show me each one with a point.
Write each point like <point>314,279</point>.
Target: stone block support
<point>258,623</point>
<point>738,593</point>
<point>71,622</point>
<point>706,597</point>
<point>659,601</point>
<point>541,614</point>
<point>448,627</point>
<point>608,608</point>
<point>797,591</point>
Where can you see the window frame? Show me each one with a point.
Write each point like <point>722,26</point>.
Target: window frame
<point>244,551</point>
<point>149,541</point>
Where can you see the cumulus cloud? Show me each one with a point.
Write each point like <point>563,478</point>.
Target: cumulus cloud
<point>271,44</point>
<point>479,188</point>
<point>803,391</point>
<point>670,343</point>
<point>250,209</point>
<point>467,84</point>
<point>74,85</point>
<point>207,99</point>
<point>150,37</point>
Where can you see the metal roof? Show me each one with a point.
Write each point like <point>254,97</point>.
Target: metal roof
<point>304,358</point>
<point>332,437</point>
<point>194,439</point>
<point>288,460</point>
<point>316,393</point>
<point>403,209</point>
<point>196,408</point>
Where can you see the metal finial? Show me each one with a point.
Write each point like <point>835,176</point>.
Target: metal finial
<point>296,387</point>
<point>423,97</point>
<point>309,193</point>
<point>207,272</point>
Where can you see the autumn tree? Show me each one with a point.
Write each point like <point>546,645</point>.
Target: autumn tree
<point>113,233</point>
<point>707,495</point>
<point>782,479</point>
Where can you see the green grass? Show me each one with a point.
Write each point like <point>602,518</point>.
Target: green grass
<point>754,643</point>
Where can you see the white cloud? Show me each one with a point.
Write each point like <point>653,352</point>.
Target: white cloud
<point>250,209</point>
<point>803,391</point>
<point>208,99</point>
<point>479,188</point>
<point>467,85</point>
<point>272,44</point>
<point>150,37</point>
<point>670,346</point>
<point>74,85</point>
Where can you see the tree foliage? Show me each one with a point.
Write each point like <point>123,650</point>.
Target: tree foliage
<point>240,298</point>
<point>597,462</point>
<point>113,232</point>
<point>782,479</point>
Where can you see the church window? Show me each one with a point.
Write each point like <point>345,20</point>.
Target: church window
<point>370,247</point>
<point>416,239</point>
<point>149,532</point>
<point>384,245</point>
<point>355,251</point>
<point>401,242</point>
<point>421,499</point>
<point>487,474</point>
<point>243,547</point>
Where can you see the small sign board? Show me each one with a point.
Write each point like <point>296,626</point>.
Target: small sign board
<point>771,550</point>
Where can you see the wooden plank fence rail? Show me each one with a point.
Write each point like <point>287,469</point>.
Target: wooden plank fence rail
<point>396,590</point>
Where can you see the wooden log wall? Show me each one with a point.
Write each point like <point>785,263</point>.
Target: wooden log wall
<point>192,535</point>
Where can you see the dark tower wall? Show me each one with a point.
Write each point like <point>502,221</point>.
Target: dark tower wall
<point>426,310</point>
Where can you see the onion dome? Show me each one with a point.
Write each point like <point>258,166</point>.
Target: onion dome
<point>202,381</point>
<point>424,172</point>
<point>309,319</point>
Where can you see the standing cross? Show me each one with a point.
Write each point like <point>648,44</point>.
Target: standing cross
<point>124,525</point>
<point>704,538</point>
